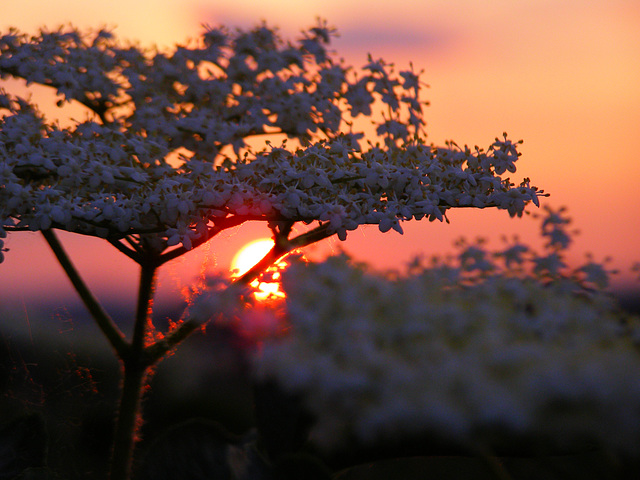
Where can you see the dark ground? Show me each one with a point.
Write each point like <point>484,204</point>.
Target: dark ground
<point>58,389</point>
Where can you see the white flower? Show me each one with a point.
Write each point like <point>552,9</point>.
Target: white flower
<point>446,352</point>
<point>149,161</point>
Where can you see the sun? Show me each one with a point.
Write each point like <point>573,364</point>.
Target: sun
<point>247,257</point>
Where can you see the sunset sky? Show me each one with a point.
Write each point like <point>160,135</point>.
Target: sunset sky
<point>564,76</point>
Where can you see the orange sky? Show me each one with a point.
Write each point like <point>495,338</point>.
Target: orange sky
<point>563,76</point>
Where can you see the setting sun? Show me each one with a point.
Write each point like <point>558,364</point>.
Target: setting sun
<point>247,257</point>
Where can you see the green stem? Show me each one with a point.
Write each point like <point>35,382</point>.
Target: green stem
<point>102,318</point>
<point>136,366</point>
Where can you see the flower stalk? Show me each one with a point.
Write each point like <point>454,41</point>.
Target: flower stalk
<point>101,317</point>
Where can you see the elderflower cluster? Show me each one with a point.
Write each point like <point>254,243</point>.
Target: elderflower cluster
<point>162,152</point>
<point>462,349</point>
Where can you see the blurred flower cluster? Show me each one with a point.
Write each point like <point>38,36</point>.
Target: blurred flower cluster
<point>510,341</point>
<point>163,152</point>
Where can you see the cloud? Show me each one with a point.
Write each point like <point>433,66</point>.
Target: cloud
<point>385,38</point>
<point>377,33</point>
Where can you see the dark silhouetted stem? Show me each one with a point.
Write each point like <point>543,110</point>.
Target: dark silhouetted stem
<point>128,421</point>
<point>136,366</point>
<point>102,318</point>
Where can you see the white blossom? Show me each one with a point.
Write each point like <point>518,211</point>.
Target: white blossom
<point>480,344</point>
<point>115,175</point>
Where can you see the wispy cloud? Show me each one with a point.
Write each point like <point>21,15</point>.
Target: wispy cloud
<point>382,38</point>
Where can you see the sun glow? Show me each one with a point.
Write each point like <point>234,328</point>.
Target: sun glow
<point>250,255</point>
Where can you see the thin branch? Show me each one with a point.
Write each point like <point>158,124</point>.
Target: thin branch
<point>129,252</point>
<point>278,251</point>
<point>105,323</point>
<point>282,247</point>
<point>12,228</point>
<point>98,107</point>
<point>160,348</point>
<point>113,231</point>
<point>218,226</point>
<point>134,244</point>
<point>312,236</point>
